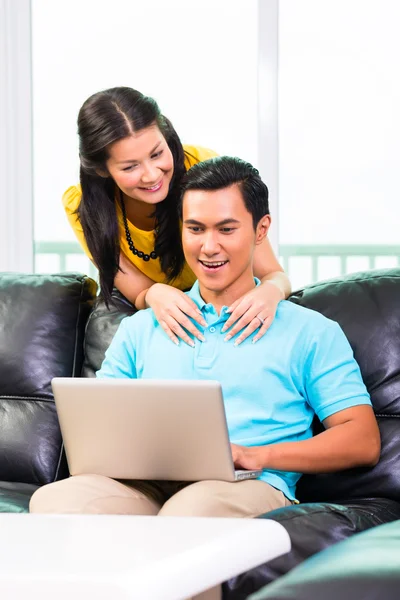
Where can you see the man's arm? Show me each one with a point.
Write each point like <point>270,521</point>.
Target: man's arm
<point>333,387</point>
<point>351,439</point>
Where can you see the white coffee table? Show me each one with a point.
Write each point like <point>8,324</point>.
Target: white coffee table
<point>78,557</point>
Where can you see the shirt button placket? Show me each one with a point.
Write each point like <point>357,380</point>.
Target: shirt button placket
<point>207,350</point>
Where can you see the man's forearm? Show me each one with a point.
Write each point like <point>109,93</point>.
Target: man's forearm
<point>341,447</point>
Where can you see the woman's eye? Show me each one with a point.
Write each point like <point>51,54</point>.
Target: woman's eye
<point>157,154</point>
<point>129,168</point>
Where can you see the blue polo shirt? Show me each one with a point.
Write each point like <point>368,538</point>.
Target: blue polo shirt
<point>303,366</point>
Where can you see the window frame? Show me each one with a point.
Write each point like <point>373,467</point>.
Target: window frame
<point>16,156</point>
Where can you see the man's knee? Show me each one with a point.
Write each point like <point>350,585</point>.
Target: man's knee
<point>249,498</point>
<point>58,497</point>
<point>91,494</point>
<point>200,499</point>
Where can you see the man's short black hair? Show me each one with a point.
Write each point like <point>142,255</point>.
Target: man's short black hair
<point>222,172</point>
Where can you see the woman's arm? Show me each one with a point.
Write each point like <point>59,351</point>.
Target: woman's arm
<point>132,283</point>
<point>267,268</point>
<point>171,307</point>
<point>256,309</point>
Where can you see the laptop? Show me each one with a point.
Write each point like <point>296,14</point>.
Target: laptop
<point>145,429</point>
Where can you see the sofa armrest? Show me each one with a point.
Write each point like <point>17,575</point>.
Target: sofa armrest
<point>312,528</point>
<point>366,566</point>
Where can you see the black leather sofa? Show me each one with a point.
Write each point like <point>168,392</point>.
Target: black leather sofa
<point>53,325</point>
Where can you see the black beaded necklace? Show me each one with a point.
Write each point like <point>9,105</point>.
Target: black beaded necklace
<point>135,251</point>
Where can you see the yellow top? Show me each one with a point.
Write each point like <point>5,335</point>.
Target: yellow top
<point>143,240</point>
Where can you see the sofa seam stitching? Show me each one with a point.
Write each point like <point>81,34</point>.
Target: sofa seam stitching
<point>31,398</point>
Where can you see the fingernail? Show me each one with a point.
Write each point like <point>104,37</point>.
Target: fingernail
<point>192,344</point>
<point>199,312</point>
<point>227,338</point>
<point>224,329</point>
<point>254,340</point>
<point>176,342</point>
<point>237,343</point>
<point>201,338</point>
<point>203,323</point>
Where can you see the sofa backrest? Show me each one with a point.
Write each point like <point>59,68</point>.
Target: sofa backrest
<point>42,324</point>
<point>367,306</point>
<point>101,327</point>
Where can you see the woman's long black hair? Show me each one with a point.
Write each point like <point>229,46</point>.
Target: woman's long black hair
<point>105,118</point>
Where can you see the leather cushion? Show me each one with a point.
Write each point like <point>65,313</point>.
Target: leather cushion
<point>101,328</point>
<point>42,323</point>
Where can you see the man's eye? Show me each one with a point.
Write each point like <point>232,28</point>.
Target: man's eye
<point>195,229</point>
<point>227,229</point>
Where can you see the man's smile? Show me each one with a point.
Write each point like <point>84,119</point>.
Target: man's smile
<point>213,265</point>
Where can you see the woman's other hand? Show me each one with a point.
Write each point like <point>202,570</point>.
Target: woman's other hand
<point>173,310</point>
<point>254,310</point>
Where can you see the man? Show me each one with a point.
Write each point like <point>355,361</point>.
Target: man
<point>272,389</point>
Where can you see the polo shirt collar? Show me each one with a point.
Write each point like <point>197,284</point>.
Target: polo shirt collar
<point>194,294</point>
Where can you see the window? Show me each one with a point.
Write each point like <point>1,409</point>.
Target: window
<point>198,60</point>
<point>339,136</point>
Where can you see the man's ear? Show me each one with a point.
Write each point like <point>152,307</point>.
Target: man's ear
<point>262,228</point>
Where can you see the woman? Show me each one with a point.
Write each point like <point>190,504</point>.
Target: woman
<point>125,218</point>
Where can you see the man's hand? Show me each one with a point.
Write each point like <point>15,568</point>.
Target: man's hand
<point>246,458</point>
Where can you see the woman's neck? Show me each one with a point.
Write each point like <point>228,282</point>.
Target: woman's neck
<point>139,213</point>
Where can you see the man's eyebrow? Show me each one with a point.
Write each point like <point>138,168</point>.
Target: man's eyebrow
<point>219,224</point>
<point>122,162</point>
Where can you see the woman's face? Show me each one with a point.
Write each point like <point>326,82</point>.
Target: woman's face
<point>142,165</point>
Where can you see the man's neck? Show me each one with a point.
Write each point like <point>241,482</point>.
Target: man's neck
<point>229,295</point>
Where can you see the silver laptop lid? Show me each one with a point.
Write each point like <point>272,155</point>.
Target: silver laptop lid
<point>144,429</point>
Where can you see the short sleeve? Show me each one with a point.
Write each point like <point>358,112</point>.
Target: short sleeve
<point>119,361</point>
<point>71,200</point>
<point>332,375</point>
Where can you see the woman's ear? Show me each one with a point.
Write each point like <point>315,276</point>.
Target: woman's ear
<point>262,228</point>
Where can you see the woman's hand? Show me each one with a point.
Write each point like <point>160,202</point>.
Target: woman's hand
<point>254,310</point>
<point>172,309</point>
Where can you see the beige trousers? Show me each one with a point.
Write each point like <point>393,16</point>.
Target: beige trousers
<point>96,494</point>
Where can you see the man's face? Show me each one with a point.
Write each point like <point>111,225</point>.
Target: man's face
<point>218,237</point>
